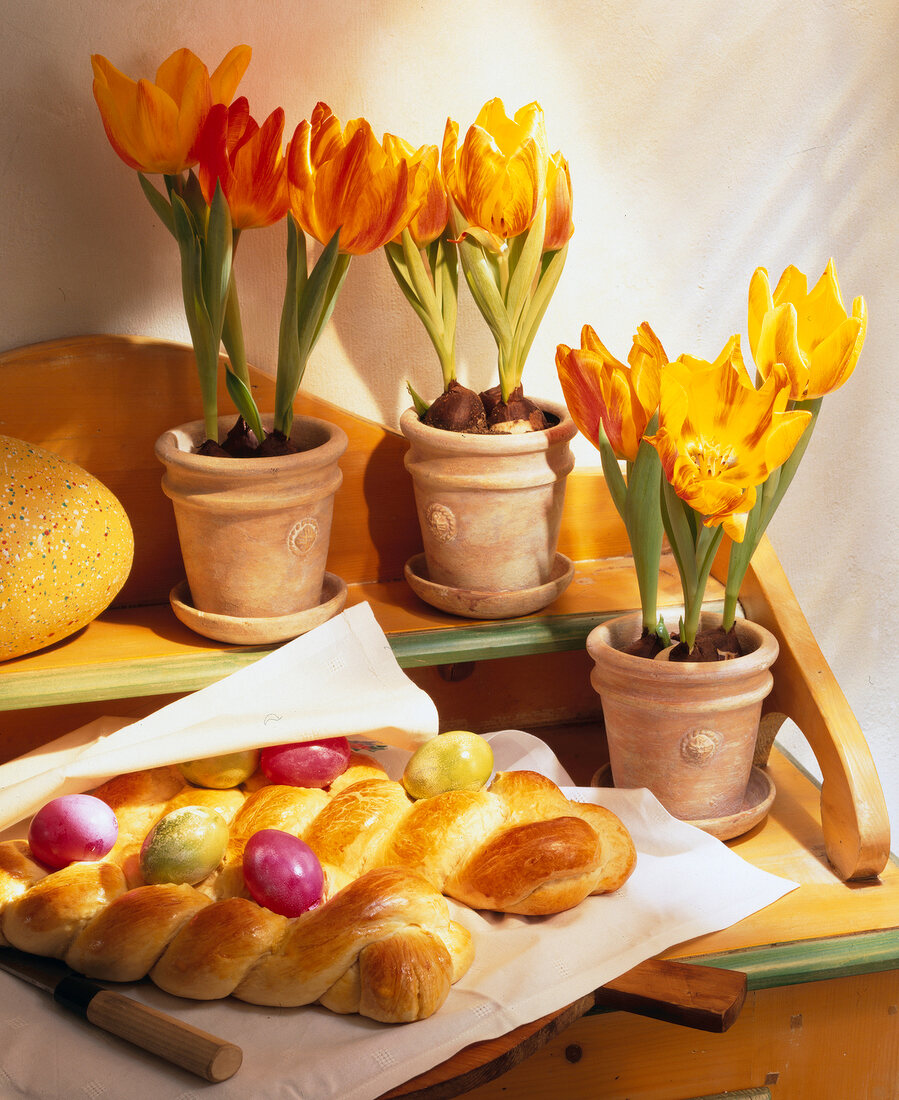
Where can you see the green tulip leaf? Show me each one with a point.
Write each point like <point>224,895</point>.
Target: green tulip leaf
<point>161,208</point>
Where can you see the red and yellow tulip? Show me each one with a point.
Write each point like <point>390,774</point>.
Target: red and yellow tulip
<point>559,224</point>
<point>719,437</point>
<point>154,126</point>
<point>343,178</point>
<point>810,333</point>
<point>601,391</point>
<point>497,177</point>
<point>248,161</point>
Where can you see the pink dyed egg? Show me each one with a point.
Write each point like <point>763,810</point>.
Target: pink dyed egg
<point>307,763</point>
<point>282,873</point>
<point>72,827</point>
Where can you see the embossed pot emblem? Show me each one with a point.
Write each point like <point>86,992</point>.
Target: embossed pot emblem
<point>441,522</point>
<point>302,536</point>
<point>699,746</point>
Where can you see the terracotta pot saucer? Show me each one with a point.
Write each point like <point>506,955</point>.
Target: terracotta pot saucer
<point>266,631</point>
<point>477,604</point>
<point>756,804</point>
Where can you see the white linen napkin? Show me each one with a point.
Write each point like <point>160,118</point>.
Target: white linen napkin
<point>685,884</point>
<point>339,679</point>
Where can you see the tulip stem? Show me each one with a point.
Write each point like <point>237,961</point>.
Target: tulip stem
<point>429,281</point>
<point>635,500</point>
<point>694,547</point>
<point>767,502</point>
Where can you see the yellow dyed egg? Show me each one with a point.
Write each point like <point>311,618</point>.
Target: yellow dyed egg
<point>221,772</point>
<point>66,547</point>
<point>454,761</point>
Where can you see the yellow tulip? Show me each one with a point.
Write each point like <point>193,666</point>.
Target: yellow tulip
<point>343,178</point>
<point>810,333</point>
<point>154,126</point>
<point>599,389</point>
<point>559,226</point>
<point>497,178</point>
<point>431,217</point>
<point>719,437</point>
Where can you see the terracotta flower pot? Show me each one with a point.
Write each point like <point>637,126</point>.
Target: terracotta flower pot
<point>685,730</point>
<point>254,532</point>
<point>489,508</point>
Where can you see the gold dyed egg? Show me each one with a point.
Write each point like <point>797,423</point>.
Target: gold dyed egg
<point>66,547</point>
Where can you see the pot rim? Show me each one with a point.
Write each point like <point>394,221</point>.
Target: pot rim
<point>169,448</point>
<point>600,648</point>
<point>499,442</point>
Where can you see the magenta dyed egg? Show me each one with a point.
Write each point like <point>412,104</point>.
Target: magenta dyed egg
<point>307,763</point>
<point>282,873</point>
<point>72,827</point>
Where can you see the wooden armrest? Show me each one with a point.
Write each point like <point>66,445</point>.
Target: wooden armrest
<point>853,810</point>
<point>701,997</point>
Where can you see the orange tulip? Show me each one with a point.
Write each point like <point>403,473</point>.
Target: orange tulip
<point>431,218</point>
<point>559,226</point>
<point>248,161</point>
<point>601,391</point>
<point>154,126</point>
<point>497,178</point>
<point>342,178</point>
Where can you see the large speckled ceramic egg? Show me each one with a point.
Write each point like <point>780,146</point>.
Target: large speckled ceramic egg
<point>66,547</point>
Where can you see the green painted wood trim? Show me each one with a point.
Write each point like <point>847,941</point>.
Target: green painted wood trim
<point>467,641</point>
<point>127,680</point>
<point>811,960</point>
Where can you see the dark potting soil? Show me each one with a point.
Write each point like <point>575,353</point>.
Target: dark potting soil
<point>241,442</point>
<point>460,409</point>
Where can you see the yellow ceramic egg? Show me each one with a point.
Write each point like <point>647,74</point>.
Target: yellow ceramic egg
<point>66,547</point>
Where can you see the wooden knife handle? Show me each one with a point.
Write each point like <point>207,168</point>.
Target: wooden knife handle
<point>703,997</point>
<point>177,1042</point>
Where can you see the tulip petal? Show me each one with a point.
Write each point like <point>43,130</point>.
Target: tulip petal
<point>779,343</point>
<point>229,73</point>
<point>760,303</point>
<point>834,358</point>
<point>581,389</point>
<point>559,225</point>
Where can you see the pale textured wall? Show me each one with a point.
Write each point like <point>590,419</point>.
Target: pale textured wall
<point>705,139</point>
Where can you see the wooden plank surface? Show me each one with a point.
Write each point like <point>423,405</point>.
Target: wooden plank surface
<point>129,652</point>
<point>829,1039</point>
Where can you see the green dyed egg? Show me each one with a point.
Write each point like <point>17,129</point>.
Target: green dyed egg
<point>66,547</point>
<point>184,846</point>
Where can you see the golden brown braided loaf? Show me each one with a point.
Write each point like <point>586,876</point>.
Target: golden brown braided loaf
<point>382,943</point>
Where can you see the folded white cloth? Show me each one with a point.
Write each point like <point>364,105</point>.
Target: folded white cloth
<point>340,679</point>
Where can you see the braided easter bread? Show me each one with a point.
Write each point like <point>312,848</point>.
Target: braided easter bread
<point>382,943</point>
